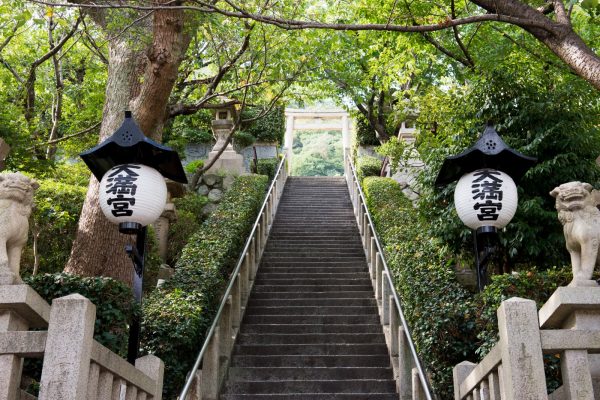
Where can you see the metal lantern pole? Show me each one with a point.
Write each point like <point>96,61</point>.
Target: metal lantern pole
<point>137,255</point>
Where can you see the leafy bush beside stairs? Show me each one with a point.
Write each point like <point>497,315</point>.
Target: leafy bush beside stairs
<point>176,316</point>
<point>448,324</point>
<point>436,306</point>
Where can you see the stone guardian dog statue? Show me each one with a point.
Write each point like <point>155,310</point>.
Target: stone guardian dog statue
<point>576,203</point>
<point>16,201</point>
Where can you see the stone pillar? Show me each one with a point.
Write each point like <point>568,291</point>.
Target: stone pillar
<point>68,349</point>
<point>345,134</point>
<point>155,369</point>
<point>11,366</point>
<point>522,359</point>
<point>576,308</point>
<point>289,139</point>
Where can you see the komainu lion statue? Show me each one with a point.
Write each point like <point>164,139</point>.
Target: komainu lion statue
<point>576,203</point>
<point>16,200</point>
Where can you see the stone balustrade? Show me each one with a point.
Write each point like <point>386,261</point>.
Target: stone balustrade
<point>568,325</point>
<point>75,366</point>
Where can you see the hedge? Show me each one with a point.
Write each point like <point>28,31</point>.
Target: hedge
<point>448,324</point>
<point>189,220</point>
<point>268,167</point>
<point>114,302</point>
<point>176,316</point>
<point>368,166</point>
<point>437,308</point>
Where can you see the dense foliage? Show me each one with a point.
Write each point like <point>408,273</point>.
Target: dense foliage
<point>553,122</point>
<point>177,315</point>
<point>269,129</point>
<point>114,302</point>
<point>268,167</point>
<point>189,220</point>
<point>368,166</point>
<point>317,154</point>
<point>53,226</point>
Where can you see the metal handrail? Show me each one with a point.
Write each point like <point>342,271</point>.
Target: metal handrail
<point>417,361</point>
<point>230,286</point>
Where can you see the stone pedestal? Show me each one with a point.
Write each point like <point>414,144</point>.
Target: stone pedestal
<point>229,161</point>
<point>577,309</point>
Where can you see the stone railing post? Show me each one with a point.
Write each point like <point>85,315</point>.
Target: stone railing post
<point>11,365</point>
<point>155,369</point>
<point>68,349</point>
<point>522,359</point>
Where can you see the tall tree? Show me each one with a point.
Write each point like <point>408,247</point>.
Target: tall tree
<point>145,51</point>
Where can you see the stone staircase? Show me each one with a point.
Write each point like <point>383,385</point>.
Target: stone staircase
<point>311,329</point>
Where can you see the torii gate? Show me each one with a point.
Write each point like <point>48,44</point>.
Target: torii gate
<point>313,120</point>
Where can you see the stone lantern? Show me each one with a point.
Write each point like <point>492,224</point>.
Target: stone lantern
<point>229,162</point>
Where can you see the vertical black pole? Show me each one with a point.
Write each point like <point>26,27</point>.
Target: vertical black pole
<point>137,256</point>
<point>477,264</point>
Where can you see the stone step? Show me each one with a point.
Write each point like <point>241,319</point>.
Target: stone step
<point>311,302</point>
<point>318,373</point>
<point>311,319</point>
<point>312,396</point>
<point>349,294</point>
<point>296,264</point>
<point>311,310</point>
<point>311,349</point>
<point>313,386</point>
<point>296,328</point>
<point>284,270</point>
<point>310,361</point>
<point>310,338</point>
<point>313,288</point>
<point>333,282</point>
<point>296,274</point>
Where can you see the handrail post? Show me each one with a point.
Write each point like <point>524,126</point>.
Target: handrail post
<point>385,295</point>
<point>378,276</point>
<point>405,366</point>
<point>236,302</point>
<point>393,317</point>
<point>372,256</point>
<point>210,368</point>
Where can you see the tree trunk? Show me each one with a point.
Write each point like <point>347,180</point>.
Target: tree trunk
<point>98,249</point>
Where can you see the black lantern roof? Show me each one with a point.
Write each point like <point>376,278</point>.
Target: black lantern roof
<point>489,151</point>
<point>129,145</point>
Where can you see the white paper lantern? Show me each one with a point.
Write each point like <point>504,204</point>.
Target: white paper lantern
<point>486,197</point>
<point>133,193</point>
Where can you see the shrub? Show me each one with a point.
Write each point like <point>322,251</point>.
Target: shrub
<point>193,166</point>
<point>189,220</point>
<point>269,128</point>
<point>177,315</point>
<point>438,309</point>
<point>243,139</point>
<point>268,167</point>
<point>368,166</point>
<point>114,302</point>
<point>57,208</point>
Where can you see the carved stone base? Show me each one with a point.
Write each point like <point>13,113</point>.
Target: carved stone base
<point>8,278</point>
<point>229,162</point>
<point>583,283</point>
